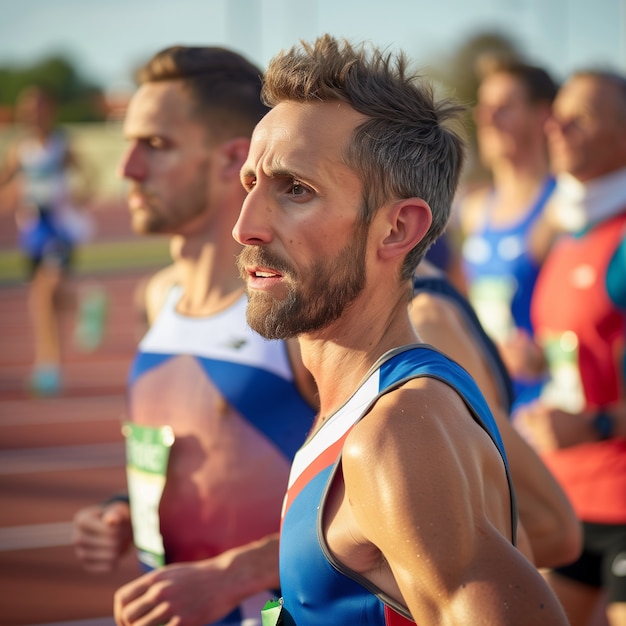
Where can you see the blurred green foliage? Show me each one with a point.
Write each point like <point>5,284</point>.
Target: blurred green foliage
<point>461,71</point>
<point>77,99</point>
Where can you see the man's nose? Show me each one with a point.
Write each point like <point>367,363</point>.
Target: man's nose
<point>132,165</point>
<point>252,227</point>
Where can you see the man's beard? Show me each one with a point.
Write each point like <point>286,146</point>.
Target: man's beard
<point>158,217</point>
<point>314,298</point>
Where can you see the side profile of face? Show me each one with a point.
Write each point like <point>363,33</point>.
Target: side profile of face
<point>506,120</point>
<point>167,160</point>
<point>587,130</point>
<point>305,248</point>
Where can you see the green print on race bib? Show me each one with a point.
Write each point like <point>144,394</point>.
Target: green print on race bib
<point>147,454</point>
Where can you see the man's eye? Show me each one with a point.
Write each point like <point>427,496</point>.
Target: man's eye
<point>156,143</point>
<point>298,189</point>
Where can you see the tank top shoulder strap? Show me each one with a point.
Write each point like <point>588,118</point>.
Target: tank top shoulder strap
<point>527,218</point>
<point>541,200</point>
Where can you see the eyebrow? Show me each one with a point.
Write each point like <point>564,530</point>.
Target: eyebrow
<point>274,171</point>
<point>142,134</point>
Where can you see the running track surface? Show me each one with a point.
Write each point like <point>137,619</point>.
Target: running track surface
<point>60,454</point>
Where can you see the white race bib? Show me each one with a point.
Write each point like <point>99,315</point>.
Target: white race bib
<point>147,454</point>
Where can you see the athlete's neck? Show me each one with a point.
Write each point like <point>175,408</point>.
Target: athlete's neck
<point>341,354</point>
<point>208,275</point>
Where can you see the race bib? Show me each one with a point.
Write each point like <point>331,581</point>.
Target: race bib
<point>564,389</point>
<point>491,297</point>
<point>147,454</point>
<point>274,614</point>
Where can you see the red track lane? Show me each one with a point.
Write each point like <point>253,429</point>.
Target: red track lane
<point>59,454</point>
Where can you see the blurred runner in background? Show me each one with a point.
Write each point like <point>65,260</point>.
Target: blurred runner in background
<point>52,184</point>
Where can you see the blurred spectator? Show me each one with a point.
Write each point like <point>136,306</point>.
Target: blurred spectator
<point>579,316</point>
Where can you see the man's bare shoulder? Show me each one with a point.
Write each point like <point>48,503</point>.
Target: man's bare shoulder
<point>416,454</point>
<point>425,430</point>
<point>422,413</point>
<point>431,310</point>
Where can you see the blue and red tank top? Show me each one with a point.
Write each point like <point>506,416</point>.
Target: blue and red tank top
<point>316,589</point>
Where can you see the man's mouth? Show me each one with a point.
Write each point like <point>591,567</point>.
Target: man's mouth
<point>260,269</point>
<point>262,279</point>
<point>136,201</point>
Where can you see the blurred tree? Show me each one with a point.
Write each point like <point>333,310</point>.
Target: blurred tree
<point>78,100</point>
<point>460,74</point>
<point>463,69</point>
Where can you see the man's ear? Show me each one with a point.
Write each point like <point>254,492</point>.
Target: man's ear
<point>408,220</point>
<point>232,155</point>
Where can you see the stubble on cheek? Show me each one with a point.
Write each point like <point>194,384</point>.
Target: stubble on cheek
<point>146,223</point>
<point>139,221</point>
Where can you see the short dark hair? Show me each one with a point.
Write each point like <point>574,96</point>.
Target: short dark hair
<point>404,149</point>
<point>539,85</point>
<point>608,76</point>
<point>224,86</point>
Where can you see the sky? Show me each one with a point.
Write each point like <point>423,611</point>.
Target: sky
<point>106,39</point>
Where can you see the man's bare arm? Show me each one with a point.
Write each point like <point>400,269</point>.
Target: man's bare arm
<point>544,510</point>
<point>427,488</point>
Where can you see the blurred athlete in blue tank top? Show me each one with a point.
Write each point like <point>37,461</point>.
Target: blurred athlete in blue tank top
<point>505,235</point>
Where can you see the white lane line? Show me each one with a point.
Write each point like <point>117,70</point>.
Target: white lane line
<point>57,411</point>
<point>60,458</point>
<point>97,621</point>
<point>87,415</point>
<point>35,536</point>
<point>109,621</point>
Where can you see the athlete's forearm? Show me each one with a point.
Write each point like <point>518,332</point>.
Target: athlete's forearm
<point>252,568</point>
